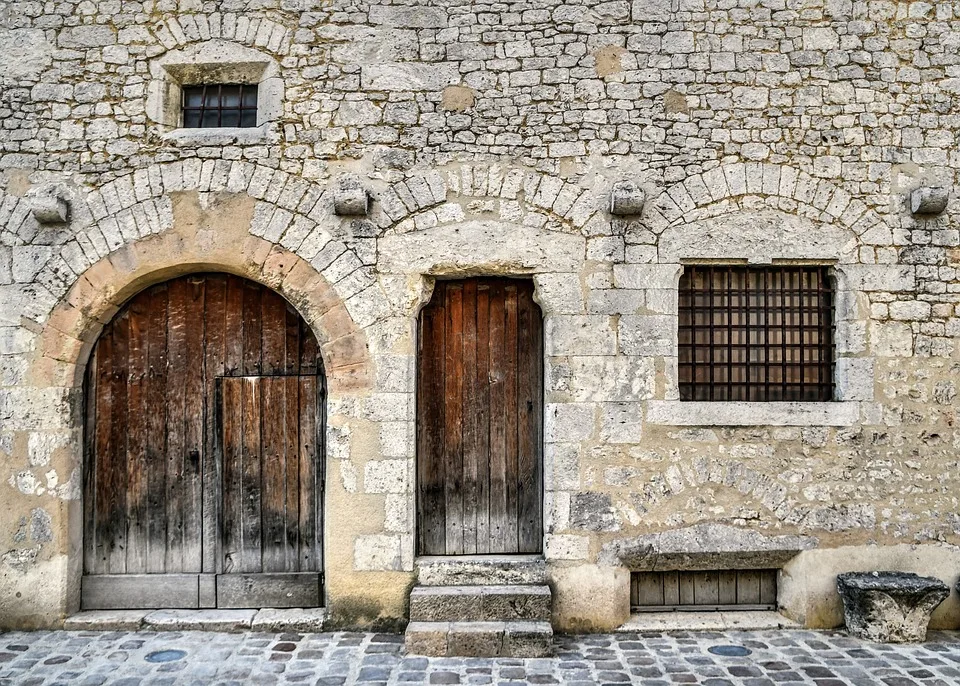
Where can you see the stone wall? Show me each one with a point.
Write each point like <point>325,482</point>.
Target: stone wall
<point>490,135</point>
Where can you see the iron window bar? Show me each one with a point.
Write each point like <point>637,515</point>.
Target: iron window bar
<point>219,105</point>
<point>756,333</point>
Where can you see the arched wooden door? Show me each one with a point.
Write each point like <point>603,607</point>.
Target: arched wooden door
<point>203,480</point>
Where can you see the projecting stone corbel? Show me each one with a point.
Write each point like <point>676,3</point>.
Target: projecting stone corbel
<point>626,199</point>
<point>929,200</point>
<point>48,203</point>
<point>350,198</point>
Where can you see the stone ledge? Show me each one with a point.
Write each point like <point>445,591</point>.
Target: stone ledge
<point>739,620</point>
<point>690,413</point>
<point>301,620</point>
<point>704,547</point>
<point>199,138</point>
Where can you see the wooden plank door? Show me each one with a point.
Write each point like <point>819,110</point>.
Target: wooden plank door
<point>479,419</point>
<point>152,491</point>
<point>271,484</point>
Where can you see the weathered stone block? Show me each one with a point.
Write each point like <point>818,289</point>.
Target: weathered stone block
<point>626,198</point>
<point>889,607</point>
<point>929,200</point>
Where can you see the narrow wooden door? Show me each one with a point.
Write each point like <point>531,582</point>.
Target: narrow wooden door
<point>479,419</point>
<point>155,483</point>
<point>271,514</point>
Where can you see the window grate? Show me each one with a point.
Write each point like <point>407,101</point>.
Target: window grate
<point>755,334</point>
<point>739,589</point>
<point>219,105</point>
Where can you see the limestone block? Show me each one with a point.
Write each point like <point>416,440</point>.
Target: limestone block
<point>621,422</point>
<point>376,553</point>
<point>350,198</point>
<point>400,76</point>
<point>591,511</point>
<point>855,378</point>
<point>642,276</point>
<point>626,198</point>
<point>200,620</point>
<point>647,335</point>
<point>889,607</point>
<point>566,547</point>
<point>105,620</point>
<point>491,246</point>
<point>48,203</point>
<point>603,378</point>
<point>929,200</point>
<point>385,476</point>
<point>581,335</point>
<point>475,639</point>
<point>305,620</point>
<point>689,413</point>
<point>566,422</point>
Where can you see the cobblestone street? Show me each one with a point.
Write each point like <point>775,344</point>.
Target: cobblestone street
<point>772,658</point>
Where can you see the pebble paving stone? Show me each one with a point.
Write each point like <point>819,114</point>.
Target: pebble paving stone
<point>776,658</point>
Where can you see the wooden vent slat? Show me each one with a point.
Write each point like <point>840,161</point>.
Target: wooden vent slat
<point>739,589</point>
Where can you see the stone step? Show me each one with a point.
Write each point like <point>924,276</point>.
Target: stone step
<point>480,603</point>
<point>481,570</point>
<point>479,639</point>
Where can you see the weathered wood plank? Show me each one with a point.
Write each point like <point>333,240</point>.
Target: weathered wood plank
<point>91,398</point>
<point>529,414</point>
<point>250,477</point>
<point>471,457</point>
<point>727,583</point>
<point>116,525</point>
<point>309,466</point>
<point>273,500</point>
<point>214,349</point>
<point>231,448</point>
<point>511,345</point>
<point>453,418</point>
<point>156,543</point>
<point>481,410</point>
<point>193,427</point>
<point>273,319</point>
<point>430,431</point>
<point>177,332</point>
<point>748,587</point>
<point>234,326</point>
<point>291,472</point>
<point>768,587</point>
<point>252,330</point>
<point>138,467</point>
<point>498,424</point>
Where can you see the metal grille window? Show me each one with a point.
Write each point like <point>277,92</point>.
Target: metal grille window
<point>756,334</point>
<point>219,105</point>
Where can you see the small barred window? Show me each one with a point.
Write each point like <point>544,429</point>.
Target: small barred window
<point>756,334</point>
<point>220,105</point>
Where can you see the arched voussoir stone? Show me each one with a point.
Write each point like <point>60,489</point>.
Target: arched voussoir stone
<point>75,322</point>
<point>489,192</point>
<point>817,199</point>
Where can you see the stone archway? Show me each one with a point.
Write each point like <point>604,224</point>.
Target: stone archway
<point>204,405</point>
<point>50,394</point>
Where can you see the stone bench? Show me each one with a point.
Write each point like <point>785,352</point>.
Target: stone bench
<point>889,607</point>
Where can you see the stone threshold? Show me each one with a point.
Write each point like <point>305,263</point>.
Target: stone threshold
<point>742,620</point>
<point>303,620</point>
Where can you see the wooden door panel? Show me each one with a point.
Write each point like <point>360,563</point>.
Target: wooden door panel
<point>270,469</point>
<point>479,418</point>
<point>153,491</point>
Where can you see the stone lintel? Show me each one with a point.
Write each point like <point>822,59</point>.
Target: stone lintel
<point>704,547</point>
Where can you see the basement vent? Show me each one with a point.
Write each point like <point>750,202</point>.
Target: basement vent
<point>739,589</point>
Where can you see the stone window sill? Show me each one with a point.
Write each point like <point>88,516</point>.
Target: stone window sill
<point>687,413</point>
<point>198,138</point>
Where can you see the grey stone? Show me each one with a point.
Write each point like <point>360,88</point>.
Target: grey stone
<point>704,547</point>
<point>200,620</point>
<point>626,198</point>
<point>889,607</point>
<point>307,620</point>
<point>929,200</point>
<point>481,570</point>
<point>48,204</point>
<point>350,198</point>
<point>105,620</point>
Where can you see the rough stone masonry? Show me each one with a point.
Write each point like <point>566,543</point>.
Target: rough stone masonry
<point>489,136</point>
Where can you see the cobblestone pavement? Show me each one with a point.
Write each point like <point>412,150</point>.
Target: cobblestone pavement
<point>775,658</point>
